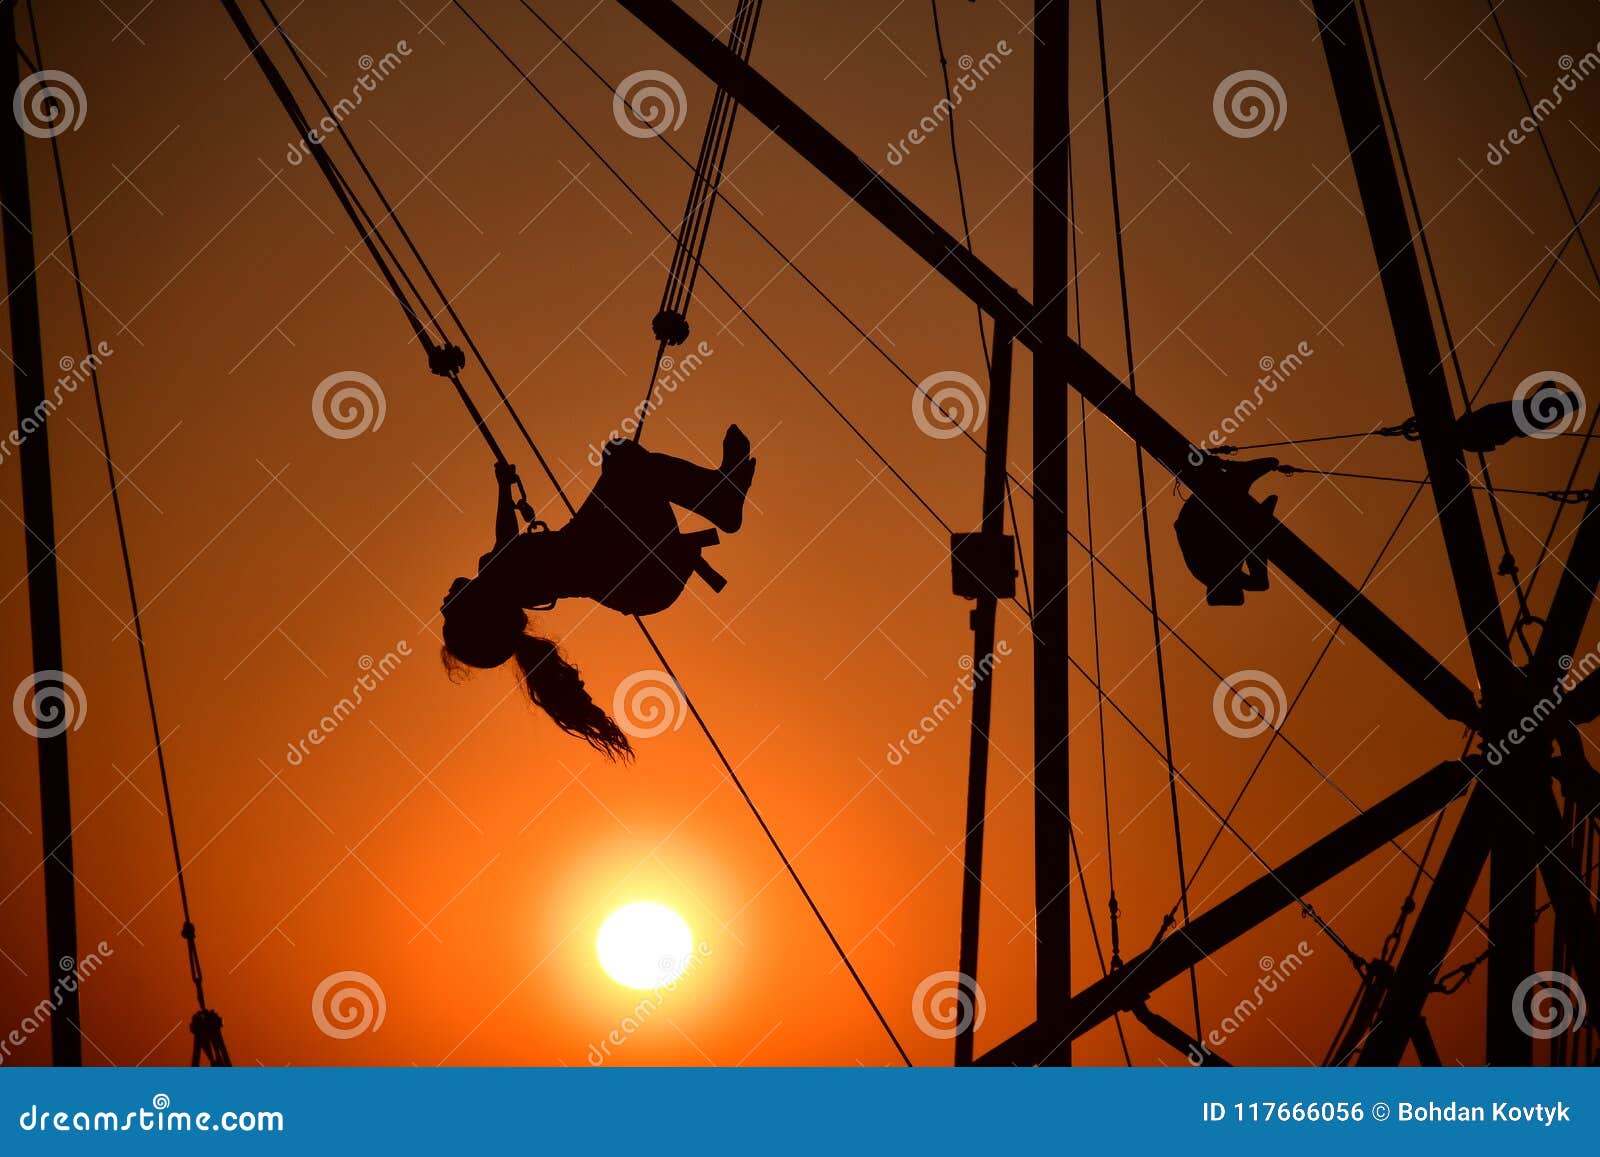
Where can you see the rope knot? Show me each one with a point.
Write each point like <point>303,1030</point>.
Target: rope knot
<point>188,931</point>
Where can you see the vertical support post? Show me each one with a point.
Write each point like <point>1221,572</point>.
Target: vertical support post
<point>38,518</point>
<point>996,441</point>
<point>1052,363</point>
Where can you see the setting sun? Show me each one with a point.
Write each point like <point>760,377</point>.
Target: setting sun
<point>644,945</point>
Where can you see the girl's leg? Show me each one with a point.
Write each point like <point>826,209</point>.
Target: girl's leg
<point>717,495</point>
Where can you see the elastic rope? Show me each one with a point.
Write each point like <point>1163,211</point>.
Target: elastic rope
<point>1144,501</point>
<point>196,974</point>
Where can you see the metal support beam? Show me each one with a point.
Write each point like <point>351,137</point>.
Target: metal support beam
<point>44,603</point>
<point>1246,909</point>
<point>1433,933</point>
<point>1422,1041</point>
<point>1511,890</point>
<point>1336,595</point>
<point>1411,314</point>
<point>983,616</point>
<point>1194,1051</point>
<point>1052,368</point>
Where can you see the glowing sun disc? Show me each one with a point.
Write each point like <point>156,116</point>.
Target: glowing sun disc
<point>644,945</point>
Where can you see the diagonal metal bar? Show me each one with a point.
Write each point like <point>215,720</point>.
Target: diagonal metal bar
<point>1335,594</point>
<point>1247,908</point>
<point>1411,314</point>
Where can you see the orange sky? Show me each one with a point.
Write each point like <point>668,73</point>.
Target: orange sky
<point>450,843</point>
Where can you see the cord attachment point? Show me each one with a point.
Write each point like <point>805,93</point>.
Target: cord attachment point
<point>670,326</point>
<point>447,359</point>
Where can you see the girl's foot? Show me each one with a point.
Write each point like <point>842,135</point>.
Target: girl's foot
<point>738,471</point>
<point>735,448</point>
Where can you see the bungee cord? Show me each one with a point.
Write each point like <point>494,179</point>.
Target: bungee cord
<point>452,367</point>
<point>206,1024</point>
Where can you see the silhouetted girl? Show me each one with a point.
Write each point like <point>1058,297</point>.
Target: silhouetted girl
<point>623,549</point>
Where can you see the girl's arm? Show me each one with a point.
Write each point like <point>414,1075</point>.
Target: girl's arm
<point>505,515</point>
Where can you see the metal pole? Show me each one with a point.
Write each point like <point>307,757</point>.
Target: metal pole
<point>983,615</point>
<point>1052,275</point>
<point>44,604</point>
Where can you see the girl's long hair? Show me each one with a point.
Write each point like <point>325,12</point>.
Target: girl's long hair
<point>555,686</point>
<point>550,681</point>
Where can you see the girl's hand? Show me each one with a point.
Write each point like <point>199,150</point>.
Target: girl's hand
<point>505,474</point>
